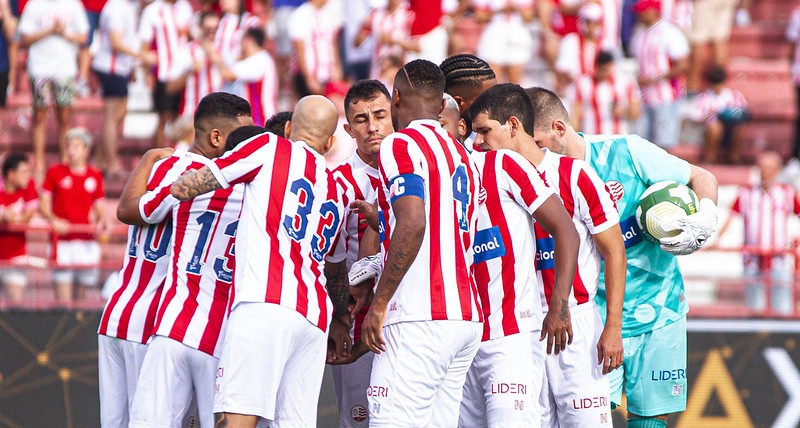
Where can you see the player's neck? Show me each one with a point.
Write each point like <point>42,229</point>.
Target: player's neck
<point>530,151</point>
<point>369,160</point>
<point>79,167</point>
<point>576,147</point>
<point>10,188</point>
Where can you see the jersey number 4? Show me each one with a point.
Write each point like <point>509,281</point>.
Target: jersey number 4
<point>296,225</point>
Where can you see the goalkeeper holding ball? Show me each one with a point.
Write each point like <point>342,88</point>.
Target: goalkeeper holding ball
<point>653,372</point>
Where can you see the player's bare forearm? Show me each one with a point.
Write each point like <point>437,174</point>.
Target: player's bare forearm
<point>128,207</point>
<point>338,287</point>
<point>369,244</point>
<point>405,244</point>
<point>703,183</point>
<point>193,183</point>
<point>612,249</point>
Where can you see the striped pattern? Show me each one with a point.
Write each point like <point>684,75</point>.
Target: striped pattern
<point>597,101</point>
<point>576,56</point>
<point>312,26</point>
<point>258,78</point>
<point>199,83</point>
<point>228,38</point>
<point>655,49</point>
<point>119,16</point>
<point>165,26</point>
<point>766,215</point>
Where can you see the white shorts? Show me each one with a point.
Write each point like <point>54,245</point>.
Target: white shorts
<point>173,376</point>
<point>419,380</point>
<point>432,46</point>
<point>503,383</point>
<point>77,253</point>
<point>350,383</point>
<point>576,392</point>
<point>502,43</point>
<point>118,364</point>
<point>271,366</point>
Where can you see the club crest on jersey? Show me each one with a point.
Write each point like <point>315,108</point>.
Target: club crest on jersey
<point>488,245</point>
<point>615,189</point>
<point>90,184</point>
<point>358,413</point>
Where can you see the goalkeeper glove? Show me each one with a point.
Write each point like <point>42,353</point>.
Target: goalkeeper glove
<point>365,268</point>
<point>694,230</point>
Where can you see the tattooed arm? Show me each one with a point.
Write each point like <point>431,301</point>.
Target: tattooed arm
<point>338,284</point>
<point>194,183</point>
<point>406,240</point>
<point>557,326</point>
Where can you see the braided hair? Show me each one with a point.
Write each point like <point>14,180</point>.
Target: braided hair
<point>465,70</point>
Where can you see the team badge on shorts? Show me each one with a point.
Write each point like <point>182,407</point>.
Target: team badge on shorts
<point>616,190</point>
<point>358,413</point>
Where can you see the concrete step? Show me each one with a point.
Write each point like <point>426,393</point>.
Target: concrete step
<point>777,11</point>
<point>761,40</point>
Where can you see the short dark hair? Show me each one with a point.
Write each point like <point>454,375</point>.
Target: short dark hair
<point>547,107</point>
<point>604,57</point>
<point>364,90</point>
<point>716,75</point>
<point>465,70</point>
<point>277,123</point>
<point>242,133</point>
<point>258,35</point>
<point>502,101</point>
<point>220,105</point>
<point>12,162</point>
<point>425,78</point>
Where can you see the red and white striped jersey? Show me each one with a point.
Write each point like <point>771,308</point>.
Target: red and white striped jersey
<point>589,203</point>
<point>119,16</point>
<point>709,103</point>
<point>318,33</point>
<point>228,38</point>
<point>258,80</point>
<point>425,161</point>
<point>612,18</point>
<point>290,218</point>
<point>576,55</point>
<point>130,312</point>
<point>193,309</point>
<point>656,48</point>
<point>793,35</point>
<point>678,12</point>
<point>200,82</point>
<point>766,215</point>
<point>357,181</point>
<point>165,26</point>
<point>598,99</point>
<point>505,243</point>
<point>397,25</point>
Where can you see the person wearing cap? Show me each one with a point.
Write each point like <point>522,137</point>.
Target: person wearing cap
<point>662,53</point>
<point>578,51</point>
<point>71,192</point>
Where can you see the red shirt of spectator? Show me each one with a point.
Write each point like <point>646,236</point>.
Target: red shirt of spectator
<point>427,16</point>
<point>73,194</point>
<point>12,243</point>
<point>94,6</point>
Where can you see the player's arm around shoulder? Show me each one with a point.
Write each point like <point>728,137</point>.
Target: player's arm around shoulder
<point>128,207</point>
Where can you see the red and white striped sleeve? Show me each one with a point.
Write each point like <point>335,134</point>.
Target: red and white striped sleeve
<point>400,156</point>
<point>598,210</point>
<point>346,194</point>
<point>525,183</point>
<point>243,163</point>
<point>157,203</point>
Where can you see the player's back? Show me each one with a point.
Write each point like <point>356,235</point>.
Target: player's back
<point>439,284</point>
<point>290,217</point>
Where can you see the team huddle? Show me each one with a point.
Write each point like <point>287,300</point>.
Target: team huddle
<point>476,262</point>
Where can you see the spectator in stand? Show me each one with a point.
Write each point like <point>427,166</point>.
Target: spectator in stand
<point>506,42</point>
<point>662,52</point>
<point>93,9</point>
<point>164,25</point>
<point>558,18</point>
<point>277,124</point>
<point>279,32</point>
<point>711,25</point>
<point>255,74</point>
<point>357,57</point>
<point>428,31</point>
<point>391,28</point>
<point>793,35</point>
<point>766,208</point>
<point>314,37</point>
<point>679,13</point>
<point>604,102</point>
<point>234,22</point>
<point>193,75</point>
<point>18,204</point>
<point>52,31</point>
<point>8,28</point>
<point>113,65</point>
<point>387,69</point>
<point>720,110</point>
<point>71,192</point>
<point>578,51</point>
<point>611,25</point>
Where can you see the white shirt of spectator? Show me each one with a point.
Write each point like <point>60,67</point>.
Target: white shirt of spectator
<point>576,55</point>
<point>793,35</point>
<point>497,8</point>
<point>200,83</point>
<point>228,38</point>
<point>396,25</point>
<point>612,18</point>
<point>709,104</point>
<point>167,26</point>
<point>317,31</point>
<point>678,12</point>
<point>53,55</point>
<point>598,100</point>
<point>257,79</point>
<point>119,16</point>
<point>655,49</point>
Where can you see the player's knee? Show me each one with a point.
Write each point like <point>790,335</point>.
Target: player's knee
<point>635,421</point>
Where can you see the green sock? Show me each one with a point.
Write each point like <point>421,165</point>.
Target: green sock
<point>646,423</point>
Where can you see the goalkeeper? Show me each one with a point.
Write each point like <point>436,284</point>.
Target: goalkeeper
<point>653,372</point>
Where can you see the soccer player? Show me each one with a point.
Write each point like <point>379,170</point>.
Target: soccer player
<point>466,77</point>
<point>451,120</point>
<point>654,308</point>
<point>181,359</point>
<point>18,204</point>
<point>275,344</point>
<point>278,122</point>
<point>505,379</point>
<point>424,320</point>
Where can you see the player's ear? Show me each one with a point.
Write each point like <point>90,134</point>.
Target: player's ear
<point>287,129</point>
<point>215,138</point>
<point>462,128</point>
<point>460,101</point>
<point>515,125</point>
<point>559,127</point>
<point>329,144</point>
<point>441,108</point>
<point>349,130</point>
<point>395,97</point>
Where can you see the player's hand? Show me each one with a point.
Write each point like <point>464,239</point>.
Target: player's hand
<point>557,327</point>
<point>60,226</point>
<point>155,155</point>
<point>609,349</point>
<point>372,328</point>
<point>694,230</point>
<point>359,349</point>
<point>339,341</point>
<point>362,296</point>
<point>368,211</point>
<point>364,269</point>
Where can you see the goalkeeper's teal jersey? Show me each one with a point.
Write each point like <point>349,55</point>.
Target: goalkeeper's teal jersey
<point>654,292</point>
